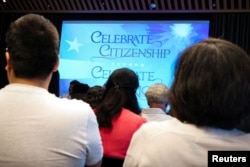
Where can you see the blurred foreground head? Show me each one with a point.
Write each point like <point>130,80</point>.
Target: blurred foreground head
<point>212,85</point>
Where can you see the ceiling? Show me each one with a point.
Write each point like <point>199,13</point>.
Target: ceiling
<point>124,6</point>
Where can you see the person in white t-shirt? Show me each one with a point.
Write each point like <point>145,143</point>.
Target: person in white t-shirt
<point>157,99</point>
<point>37,128</point>
<point>210,99</point>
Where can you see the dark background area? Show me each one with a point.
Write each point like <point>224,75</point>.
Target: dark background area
<point>229,19</point>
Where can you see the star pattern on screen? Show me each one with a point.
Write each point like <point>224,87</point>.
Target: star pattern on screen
<point>74,45</point>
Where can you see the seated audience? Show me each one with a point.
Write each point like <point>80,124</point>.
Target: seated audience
<point>79,91</point>
<point>94,96</point>
<point>118,113</point>
<point>210,99</point>
<point>37,128</point>
<point>156,96</point>
<point>71,85</point>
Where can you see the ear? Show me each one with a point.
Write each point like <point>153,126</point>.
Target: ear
<point>56,65</point>
<point>8,61</point>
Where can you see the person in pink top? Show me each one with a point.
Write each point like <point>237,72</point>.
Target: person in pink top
<point>118,114</point>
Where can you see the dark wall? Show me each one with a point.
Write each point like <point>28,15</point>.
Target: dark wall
<point>230,26</point>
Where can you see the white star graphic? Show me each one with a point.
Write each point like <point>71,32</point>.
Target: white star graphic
<point>74,45</point>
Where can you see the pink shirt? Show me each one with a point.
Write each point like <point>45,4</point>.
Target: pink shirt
<point>117,139</point>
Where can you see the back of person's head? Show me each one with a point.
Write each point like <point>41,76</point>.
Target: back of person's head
<point>79,91</point>
<point>120,92</point>
<point>73,82</point>
<point>157,93</point>
<point>212,85</point>
<point>80,88</point>
<point>71,85</point>
<point>32,42</point>
<point>94,96</point>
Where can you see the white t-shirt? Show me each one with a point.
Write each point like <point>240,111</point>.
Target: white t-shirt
<point>39,129</point>
<point>155,114</point>
<point>176,144</point>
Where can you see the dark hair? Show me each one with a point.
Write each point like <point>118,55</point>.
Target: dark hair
<point>33,43</point>
<point>80,88</point>
<point>74,82</point>
<point>79,91</point>
<point>120,92</point>
<point>94,96</point>
<point>71,85</point>
<point>212,85</point>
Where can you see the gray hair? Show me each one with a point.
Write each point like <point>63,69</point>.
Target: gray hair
<point>157,93</point>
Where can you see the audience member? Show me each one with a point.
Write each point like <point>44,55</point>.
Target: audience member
<point>118,113</point>
<point>71,85</point>
<point>156,96</point>
<point>210,98</point>
<point>79,91</point>
<point>37,128</point>
<point>94,96</point>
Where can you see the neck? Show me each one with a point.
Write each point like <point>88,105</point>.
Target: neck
<point>33,82</point>
<point>158,105</point>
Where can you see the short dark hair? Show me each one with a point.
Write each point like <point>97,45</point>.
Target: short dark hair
<point>212,85</point>
<point>74,82</point>
<point>94,95</point>
<point>33,43</point>
<point>80,88</point>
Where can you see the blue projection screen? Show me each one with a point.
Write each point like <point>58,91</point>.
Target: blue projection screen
<point>91,50</point>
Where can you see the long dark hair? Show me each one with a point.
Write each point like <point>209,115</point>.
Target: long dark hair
<point>120,92</point>
<point>212,86</point>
